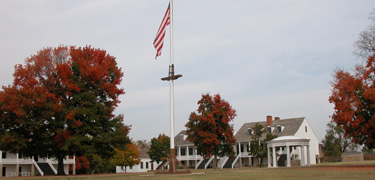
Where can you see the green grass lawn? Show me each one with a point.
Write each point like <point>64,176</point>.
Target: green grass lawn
<point>341,171</point>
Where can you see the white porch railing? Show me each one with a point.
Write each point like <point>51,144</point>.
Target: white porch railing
<point>208,162</point>
<point>245,154</point>
<point>16,161</point>
<point>52,167</point>
<point>25,174</point>
<point>199,163</point>
<point>38,168</point>
<point>224,161</point>
<point>235,161</point>
<point>190,157</point>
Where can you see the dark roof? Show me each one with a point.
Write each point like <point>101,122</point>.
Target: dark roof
<point>179,139</point>
<point>143,153</point>
<point>290,128</point>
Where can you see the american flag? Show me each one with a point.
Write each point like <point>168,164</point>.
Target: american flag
<point>159,40</point>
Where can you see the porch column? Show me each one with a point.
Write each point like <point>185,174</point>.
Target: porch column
<point>74,165</point>
<point>308,155</point>
<point>303,155</point>
<point>239,149</point>
<point>269,157</point>
<point>187,156</point>
<point>32,173</point>
<point>179,153</point>
<point>274,156</point>
<point>17,166</point>
<point>17,169</point>
<point>196,157</point>
<point>248,152</point>
<point>288,156</point>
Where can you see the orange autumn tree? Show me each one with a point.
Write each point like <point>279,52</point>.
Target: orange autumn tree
<point>210,129</point>
<point>61,103</point>
<point>353,96</point>
<point>128,156</point>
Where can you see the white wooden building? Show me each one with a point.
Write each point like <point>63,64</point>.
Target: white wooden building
<point>294,128</point>
<point>13,164</point>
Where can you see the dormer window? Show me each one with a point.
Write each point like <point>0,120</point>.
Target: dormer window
<point>270,129</point>
<point>280,128</point>
<point>250,131</point>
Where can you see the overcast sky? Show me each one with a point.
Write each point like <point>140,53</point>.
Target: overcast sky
<point>265,57</point>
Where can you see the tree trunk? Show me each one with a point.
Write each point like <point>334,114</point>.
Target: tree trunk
<point>215,162</point>
<point>260,162</point>
<point>60,165</point>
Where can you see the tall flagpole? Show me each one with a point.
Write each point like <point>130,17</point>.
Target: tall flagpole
<point>172,162</point>
<point>171,77</point>
<point>171,80</point>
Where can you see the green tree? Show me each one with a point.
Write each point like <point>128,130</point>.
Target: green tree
<point>258,146</point>
<point>159,148</point>
<point>209,128</point>
<point>116,138</point>
<point>127,157</point>
<point>335,141</point>
<point>61,103</point>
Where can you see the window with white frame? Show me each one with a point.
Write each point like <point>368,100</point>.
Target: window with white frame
<point>191,151</point>
<point>183,152</point>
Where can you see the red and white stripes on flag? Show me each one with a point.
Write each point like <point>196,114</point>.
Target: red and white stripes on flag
<point>159,40</point>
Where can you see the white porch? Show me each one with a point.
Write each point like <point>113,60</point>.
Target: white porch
<point>188,156</point>
<point>290,143</point>
<point>13,164</point>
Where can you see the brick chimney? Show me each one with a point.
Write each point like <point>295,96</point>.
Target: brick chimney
<point>277,118</point>
<point>269,120</point>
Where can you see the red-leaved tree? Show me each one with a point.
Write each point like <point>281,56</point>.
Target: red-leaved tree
<point>210,129</point>
<point>61,103</point>
<point>353,96</point>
